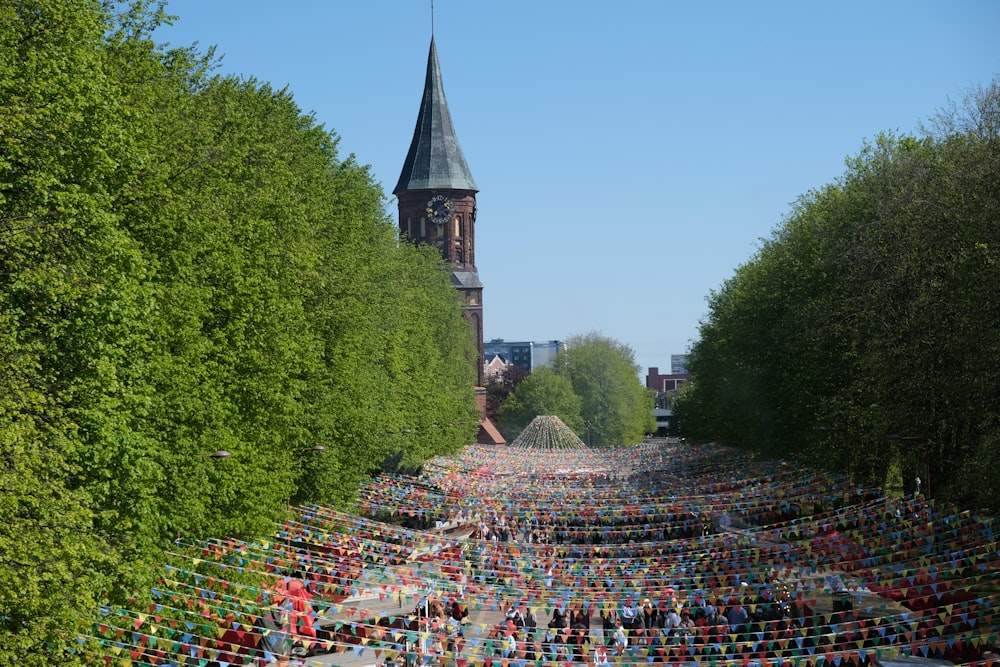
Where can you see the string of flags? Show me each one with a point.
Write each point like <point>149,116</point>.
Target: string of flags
<point>553,525</point>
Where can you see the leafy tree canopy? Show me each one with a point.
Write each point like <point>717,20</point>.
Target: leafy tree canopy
<point>541,393</point>
<point>614,405</point>
<point>861,335</point>
<point>593,387</point>
<point>187,265</point>
<point>500,386</point>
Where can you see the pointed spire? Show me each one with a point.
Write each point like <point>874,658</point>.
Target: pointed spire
<point>435,160</point>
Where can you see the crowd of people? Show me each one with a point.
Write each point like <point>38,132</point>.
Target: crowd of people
<point>575,634</point>
<point>594,530</point>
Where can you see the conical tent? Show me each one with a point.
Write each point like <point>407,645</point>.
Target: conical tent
<point>548,432</point>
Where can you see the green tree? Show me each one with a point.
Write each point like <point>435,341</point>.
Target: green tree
<point>71,312</point>
<point>187,266</point>
<point>501,386</point>
<point>858,336</point>
<point>603,373</point>
<point>543,392</point>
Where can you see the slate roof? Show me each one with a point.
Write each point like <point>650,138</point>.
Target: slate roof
<point>435,160</point>
<point>465,279</point>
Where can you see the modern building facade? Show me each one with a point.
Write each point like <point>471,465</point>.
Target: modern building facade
<point>526,355</point>
<point>678,364</point>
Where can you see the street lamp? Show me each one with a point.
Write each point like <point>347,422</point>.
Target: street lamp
<point>215,456</point>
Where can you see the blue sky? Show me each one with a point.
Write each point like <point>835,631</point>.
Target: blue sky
<point>630,155</point>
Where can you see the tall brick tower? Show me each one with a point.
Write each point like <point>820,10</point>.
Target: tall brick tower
<point>437,199</point>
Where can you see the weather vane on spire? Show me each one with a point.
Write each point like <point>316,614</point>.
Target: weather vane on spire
<point>432,18</point>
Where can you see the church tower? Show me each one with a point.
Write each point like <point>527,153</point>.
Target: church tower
<point>437,199</point>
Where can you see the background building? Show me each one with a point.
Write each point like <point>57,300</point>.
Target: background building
<point>658,381</point>
<point>664,418</point>
<point>436,197</point>
<point>524,354</point>
<point>664,385</point>
<point>495,366</point>
<point>678,364</point>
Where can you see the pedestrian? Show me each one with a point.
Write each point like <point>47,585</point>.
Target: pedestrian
<point>619,640</point>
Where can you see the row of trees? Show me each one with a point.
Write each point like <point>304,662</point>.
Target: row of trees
<point>593,387</point>
<point>863,334</point>
<point>187,265</point>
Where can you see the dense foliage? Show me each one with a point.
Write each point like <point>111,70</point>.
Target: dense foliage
<point>541,393</point>
<point>862,335</point>
<point>614,405</point>
<point>593,387</point>
<point>186,266</point>
<point>499,387</point>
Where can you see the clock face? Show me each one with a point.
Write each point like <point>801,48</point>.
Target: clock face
<point>440,209</point>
